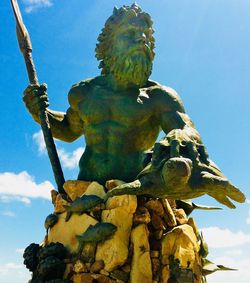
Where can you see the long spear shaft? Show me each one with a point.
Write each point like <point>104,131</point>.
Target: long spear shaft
<point>26,49</point>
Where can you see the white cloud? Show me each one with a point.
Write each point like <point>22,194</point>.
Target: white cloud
<point>7,267</point>
<point>20,251</point>
<point>223,238</point>
<point>13,272</point>
<point>39,141</point>
<point>7,198</point>
<point>8,213</point>
<point>21,187</point>
<point>248,218</point>
<point>69,160</point>
<point>222,243</point>
<point>234,252</point>
<point>33,5</point>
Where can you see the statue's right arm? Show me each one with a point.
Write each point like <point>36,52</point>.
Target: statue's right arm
<point>64,126</point>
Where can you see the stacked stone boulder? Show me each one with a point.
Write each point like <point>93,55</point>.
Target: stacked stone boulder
<point>154,241</point>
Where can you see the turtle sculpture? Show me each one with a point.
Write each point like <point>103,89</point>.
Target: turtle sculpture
<point>175,174</point>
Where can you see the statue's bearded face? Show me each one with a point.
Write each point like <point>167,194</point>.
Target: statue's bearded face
<point>126,47</point>
<point>131,56</point>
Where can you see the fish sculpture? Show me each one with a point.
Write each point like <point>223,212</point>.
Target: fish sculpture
<point>209,267</point>
<point>82,204</point>
<point>203,246</point>
<point>96,233</point>
<point>50,221</point>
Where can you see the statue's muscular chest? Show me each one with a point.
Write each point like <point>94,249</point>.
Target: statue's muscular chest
<point>121,108</point>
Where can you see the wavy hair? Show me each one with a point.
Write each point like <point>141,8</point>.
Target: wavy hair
<point>120,17</point>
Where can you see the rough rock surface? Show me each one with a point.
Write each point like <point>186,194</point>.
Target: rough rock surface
<point>142,224</point>
<point>59,204</point>
<point>65,232</point>
<point>114,251</point>
<point>128,201</point>
<point>95,189</point>
<point>97,266</point>
<point>180,216</point>
<point>91,278</point>
<point>141,270</point>
<point>165,274</point>
<point>182,243</point>
<point>75,188</point>
<point>111,184</point>
<point>141,216</point>
<point>191,222</point>
<point>155,206</point>
<point>80,267</point>
<point>168,216</point>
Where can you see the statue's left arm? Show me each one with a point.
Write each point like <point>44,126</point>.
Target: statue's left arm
<point>186,151</point>
<point>178,127</point>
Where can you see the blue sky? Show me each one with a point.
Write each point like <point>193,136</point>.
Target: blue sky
<point>202,51</point>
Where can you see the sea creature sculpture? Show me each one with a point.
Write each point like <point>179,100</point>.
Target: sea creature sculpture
<point>189,206</point>
<point>209,267</point>
<point>180,178</point>
<point>50,221</point>
<point>57,250</point>
<point>95,234</point>
<point>82,204</point>
<point>50,268</point>
<point>30,256</point>
<point>203,246</point>
<point>46,262</point>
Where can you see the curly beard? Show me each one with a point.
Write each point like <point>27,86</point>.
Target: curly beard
<point>130,69</point>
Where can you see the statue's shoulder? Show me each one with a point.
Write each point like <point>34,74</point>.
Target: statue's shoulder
<point>156,89</point>
<point>80,90</point>
<point>164,96</point>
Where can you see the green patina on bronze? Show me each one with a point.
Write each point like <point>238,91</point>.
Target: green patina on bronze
<point>82,204</point>
<point>121,113</point>
<point>189,206</point>
<point>181,178</point>
<point>50,221</point>
<point>95,234</point>
<point>178,274</point>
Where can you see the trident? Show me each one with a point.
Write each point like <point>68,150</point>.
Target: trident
<point>26,49</point>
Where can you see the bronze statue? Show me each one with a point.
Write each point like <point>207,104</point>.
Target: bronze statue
<point>121,113</point>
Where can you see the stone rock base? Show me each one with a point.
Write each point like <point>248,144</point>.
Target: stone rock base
<point>154,241</point>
